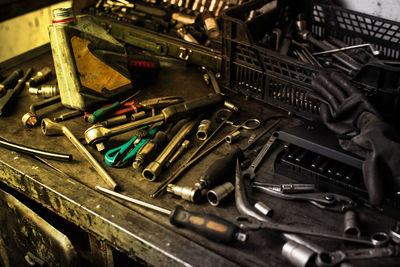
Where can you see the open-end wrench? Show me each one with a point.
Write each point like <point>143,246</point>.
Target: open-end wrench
<point>250,171</point>
<point>339,256</point>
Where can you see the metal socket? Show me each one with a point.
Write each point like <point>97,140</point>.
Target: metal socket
<point>231,106</point>
<point>218,194</point>
<point>233,137</point>
<point>351,223</point>
<point>263,208</point>
<point>395,233</point>
<point>298,255</point>
<point>192,194</point>
<point>203,130</point>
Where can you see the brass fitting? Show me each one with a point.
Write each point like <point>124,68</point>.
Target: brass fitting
<point>45,90</point>
<point>30,119</point>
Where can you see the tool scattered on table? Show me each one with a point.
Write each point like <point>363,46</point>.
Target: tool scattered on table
<point>184,146</point>
<point>34,151</point>
<point>31,119</point>
<point>40,77</point>
<point>104,112</point>
<point>336,257</point>
<point>121,119</point>
<point>250,171</point>
<point>328,201</point>
<point>124,154</point>
<point>154,168</point>
<point>52,128</point>
<point>45,90</point>
<point>254,220</point>
<point>98,134</point>
<point>6,101</point>
<point>210,226</point>
<point>193,158</point>
<point>10,81</point>
<point>68,115</point>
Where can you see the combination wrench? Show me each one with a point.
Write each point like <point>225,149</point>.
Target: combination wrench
<point>250,171</point>
<point>339,256</point>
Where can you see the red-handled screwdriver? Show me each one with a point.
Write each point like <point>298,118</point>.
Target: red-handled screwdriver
<point>102,113</point>
<point>210,226</point>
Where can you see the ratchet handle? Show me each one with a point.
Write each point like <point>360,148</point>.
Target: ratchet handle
<point>210,226</point>
<point>220,170</point>
<point>192,107</point>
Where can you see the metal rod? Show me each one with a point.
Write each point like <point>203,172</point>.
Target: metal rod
<point>34,151</point>
<point>135,201</point>
<point>374,52</point>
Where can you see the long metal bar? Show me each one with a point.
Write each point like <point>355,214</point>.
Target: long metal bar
<point>34,151</point>
<point>135,201</point>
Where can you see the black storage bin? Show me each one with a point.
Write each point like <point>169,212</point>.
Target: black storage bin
<point>283,81</point>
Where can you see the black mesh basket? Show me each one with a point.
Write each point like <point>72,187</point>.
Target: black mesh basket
<point>283,81</point>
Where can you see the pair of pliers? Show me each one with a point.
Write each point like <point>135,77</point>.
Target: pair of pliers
<point>328,201</point>
<point>123,155</point>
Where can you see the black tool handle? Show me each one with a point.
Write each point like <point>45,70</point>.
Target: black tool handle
<point>192,107</point>
<point>210,226</point>
<point>10,81</point>
<point>220,170</point>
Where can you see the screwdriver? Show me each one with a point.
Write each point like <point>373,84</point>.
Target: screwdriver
<point>103,113</point>
<point>210,226</point>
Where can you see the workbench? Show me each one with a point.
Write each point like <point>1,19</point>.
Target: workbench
<point>122,228</point>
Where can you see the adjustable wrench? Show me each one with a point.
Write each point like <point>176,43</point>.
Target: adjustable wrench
<point>250,171</point>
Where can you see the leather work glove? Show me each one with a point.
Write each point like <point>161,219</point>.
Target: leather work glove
<point>360,130</point>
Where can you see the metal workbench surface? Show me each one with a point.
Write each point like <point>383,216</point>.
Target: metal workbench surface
<point>134,230</point>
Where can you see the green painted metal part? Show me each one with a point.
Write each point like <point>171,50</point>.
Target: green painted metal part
<point>163,45</point>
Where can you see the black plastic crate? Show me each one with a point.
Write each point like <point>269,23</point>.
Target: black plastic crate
<point>257,71</point>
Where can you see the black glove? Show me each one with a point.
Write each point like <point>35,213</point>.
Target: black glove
<point>362,131</point>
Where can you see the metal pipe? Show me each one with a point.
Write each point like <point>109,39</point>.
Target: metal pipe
<point>216,195</point>
<point>34,151</point>
<point>154,168</point>
<point>297,254</point>
<point>52,128</point>
<point>351,222</point>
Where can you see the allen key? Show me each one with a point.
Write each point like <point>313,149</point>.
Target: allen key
<point>52,128</point>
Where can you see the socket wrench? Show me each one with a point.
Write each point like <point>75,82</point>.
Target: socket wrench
<point>250,171</point>
<point>52,128</point>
